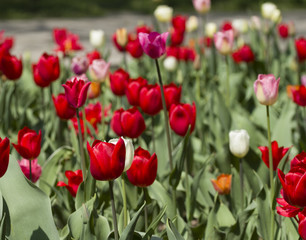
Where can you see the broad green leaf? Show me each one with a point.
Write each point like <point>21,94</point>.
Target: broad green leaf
<point>264,213</point>
<point>155,223</point>
<point>172,232</point>
<point>225,217</point>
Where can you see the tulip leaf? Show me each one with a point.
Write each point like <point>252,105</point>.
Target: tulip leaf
<point>29,208</point>
<point>172,232</point>
<point>264,213</point>
<point>154,223</point>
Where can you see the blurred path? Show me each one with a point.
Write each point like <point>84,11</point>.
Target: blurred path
<point>35,36</point>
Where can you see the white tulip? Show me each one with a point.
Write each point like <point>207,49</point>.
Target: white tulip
<point>163,13</point>
<point>97,38</point>
<point>239,141</point>
<point>240,25</point>
<point>210,29</point>
<point>192,24</point>
<point>129,151</point>
<point>267,9</point>
<point>170,64</point>
<point>276,16</point>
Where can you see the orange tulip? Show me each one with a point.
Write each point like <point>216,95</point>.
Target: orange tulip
<point>223,183</point>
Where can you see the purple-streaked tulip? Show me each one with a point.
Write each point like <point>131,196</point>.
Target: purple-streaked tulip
<point>98,70</point>
<point>224,41</point>
<point>79,65</point>
<point>153,44</point>
<point>266,89</point>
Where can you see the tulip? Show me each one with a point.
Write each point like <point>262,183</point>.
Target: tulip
<point>74,180</point>
<point>66,40</point>
<point>181,116</point>
<point>143,28</point>
<point>150,99</point>
<point>11,67</point>
<point>226,25</point>
<point>201,6</point>
<point>192,24</point>
<point>300,46</point>
<point>240,25</point>
<point>143,171</point>
<point>255,22</point>
<point>97,38</point>
<point>133,89</point>
<point>302,224</point>
<point>172,94</point>
<point>170,64</point>
<point>177,37</point>
<point>299,95</point>
<point>207,41</point>
<point>63,109</point>
<point>223,183</point>
<point>107,160</point>
<point>266,89</point>
<point>210,29</point>
<point>117,45</point>
<point>121,37</point>
<point>118,81</point>
<point>128,123</point>
<point>224,41</point>
<point>4,155</point>
<point>283,30</point>
<point>76,92</point>
<point>277,154</point>
<point>186,54</point>
<point>243,54</point>
<point>276,16</point>
<point>163,13</point>
<point>91,56</point>
<point>79,65</point>
<point>267,9</point>
<point>29,142</point>
<point>98,70</point>
<point>48,67</point>
<point>239,142</point>
<point>129,152</point>
<point>38,79</point>
<point>35,169</point>
<point>134,48</point>
<point>153,44</point>
<point>285,209</point>
<point>179,23</point>
<point>298,160</point>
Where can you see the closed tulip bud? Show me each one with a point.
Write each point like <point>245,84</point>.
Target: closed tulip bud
<point>134,48</point>
<point>122,37</point>
<point>143,171</point>
<point>11,67</point>
<point>276,16</point>
<point>118,81</point>
<point>150,99</point>
<point>224,41</point>
<point>223,183</point>
<point>29,142</point>
<point>38,79</point>
<point>63,109</point>
<point>35,169</point>
<point>240,25</point>
<point>300,46</point>
<point>210,29</point>
<point>97,38</point>
<point>192,24</point>
<point>4,155</point>
<point>172,94</point>
<point>107,160</point>
<point>133,89</point>
<point>91,56</point>
<point>201,6</point>
<point>48,67</point>
<point>267,9</point>
<point>170,64</point>
<point>79,65</point>
<point>283,30</point>
<point>239,142</point>
<point>163,13</point>
<point>98,70</point>
<point>129,151</point>
<point>266,89</point>
<point>74,180</point>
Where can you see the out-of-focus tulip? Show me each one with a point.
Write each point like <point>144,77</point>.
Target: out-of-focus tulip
<point>94,90</point>
<point>299,160</point>
<point>35,169</point>
<point>179,23</point>
<point>129,151</point>
<point>107,160</point>
<point>267,9</point>
<point>29,142</point>
<point>201,6</point>
<point>38,79</point>
<point>172,94</point>
<point>74,180</point>
<point>302,224</point>
<point>48,67</point>
<point>223,183</point>
<point>276,16</point>
<point>97,38</point>
<point>181,116</point>
<point>239,142</point>
<point>76,92</point>
<point>255,22</point>
<point>143,171</point>
<point>4,155</point>
<point>240,25</point>
<point>133,89</point>
<point>299,95</point>
<point>266,89</point>
<point>277,154</point>
<point>300,46</point>
<point>63,109</point>
<point>283,30</point>
<point>128,123</point>
<point>66,40</point>
<point>79,65</point>
<point>192,24</point>
<point>226,25</point>
<point>150,99</point>
<point>170,64</point>
<point>134,48</point>
<point>224,41</point>
<point>210,29</point>
<point>11,67</point>
<point>243,54</point>
<point>143,28</point>
<point>163,13</point>
<point>122,37</point>
<point>98,70</point>
<point>176,37</point>
<point>91,56</point>
<point>118,81</point>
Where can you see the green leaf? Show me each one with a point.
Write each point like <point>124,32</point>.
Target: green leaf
<point>172,232</point>
<point>264,213</point>
<point>154,223</point>
<point>225,217</point>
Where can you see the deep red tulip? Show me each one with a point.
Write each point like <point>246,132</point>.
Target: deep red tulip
<point>172,94</point>
<point>277,154</point>
<point>117,45</point>
<point>74,180</point>
<point>4,155</point>
<point>143,28</point>
<point>133,89</point>
<point>226,26</point>
<point>128,123</point>
<point>208,41</point>
<point>63,109</point>
<point>283,30</point>
<point>48,67</point>
<point>66,40</point>
<point>38,79</point>
<point>93,56</point>
<point>186,54</point>
<point>285,209</point>
<point>35,169</point>
<point>243,54</point>
<point>173,51</point>
<point>118,81</point>
<point>134,48</point>
<point>107,160</point>
<point>302,224</point>
<point>150,99</point>
<point>179,23</point>
<point>299,95</point>
<point>11,67</point>
<point>300,46</point>
<point>299,160</point>
<point>143,171</point>
<point>181,116</point>
<point>29,143</point>
<point>76,92</point>
<point>177,37</point>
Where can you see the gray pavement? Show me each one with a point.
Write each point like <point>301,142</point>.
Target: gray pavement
<point>35,36</point>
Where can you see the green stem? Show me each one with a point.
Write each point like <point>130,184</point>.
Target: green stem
<point>153,135</point>
<point>16,99</point>
<point>271,173</point>
<point>84,123</point>
<point>241,183</point>
<point>227,82</point>
<point>125,61</point>
<point>43,104</point>
<point>145,208</point>
<point>124,203</point>
<point>113,210</point>
<point>30,166</point>
<point>187,190</point>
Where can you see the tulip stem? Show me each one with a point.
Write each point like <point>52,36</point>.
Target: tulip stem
<point>271,173</point>
<point>16,99</point>
<point>84,123</point>
<point>145,193</point>
<point>43,104</point>
<point>227,81</point>
<point>153,135</point>
<point>241,183</point>
<point>113,210</point>
<point>125,61</point>
<point>124,203</point>
<point>30,169</point>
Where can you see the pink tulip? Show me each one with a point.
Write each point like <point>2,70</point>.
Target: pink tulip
<point>98,70</point>
<point>224,41</point>
<point>201,6</point>
<point>266,89</point>
<point>153,44</point>
<point>35,169</point>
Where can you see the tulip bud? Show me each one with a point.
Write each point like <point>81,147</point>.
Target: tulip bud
<point>170,64</point>
<point>97,38</point>
<point>129,151</point>
<point>276,16</point>
<point>210,29</point>
<point>240,25</point>
<point>192,24</point>
<point>35,169</point>
<point>122,37</point>
<point>239,141</point>
<point>266,89</point>
<point>201,6</point>
<point>163,13</point>
<point>267,9</point>
<point>98,70</point>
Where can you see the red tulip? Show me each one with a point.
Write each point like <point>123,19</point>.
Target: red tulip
<point>243,54</point>
<point>11,67</point>
<point>277,154</point>
<point>134,48</point>
<point>143,28</point>
<point>302,224</point>
<point>186,54</point>
<point>300,46</point>
<point>74,180</point>
<point>28,143</point>
<point>66,40</point>
<point>117,45</point>
<point>133,89</point>
<point>48,67</point>
<point>143,171</point>
<point>93,56</point>
<point>118,81</point>
<point>4,155</point>
<point>63,109</point>
<point>285,209</point>
<point>181,116</point>
<point>128,123</point>
<point>38,79</point>
<point>299,160</point>
<point>283,30</point>
<point>173,51</point>
<point>150,99</point>
<point>226,26</point>
<point>179,23</point>
<point>172,94</point>
<point>177,37</point>
<point>208,41</point>
<point>107,160</point>
<point>35,169</point>
<point>76,92</point>
<point>299,95</point>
